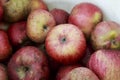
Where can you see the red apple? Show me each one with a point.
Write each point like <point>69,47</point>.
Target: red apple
<point>106,64</point>
<point>106,35</point>
<point>5,47</point>
<point>63,71</point>
<point>17,34</point>
<point>39,23</point>
<point>78,73</point>
<point>4,26</point>
<point>60,15</point>
<point>37,4</point>
<point>65,43</point>
<point>85,16</point>
<point>3,73</point>
<point>28,63</point>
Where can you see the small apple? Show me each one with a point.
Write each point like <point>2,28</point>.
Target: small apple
<point>5,47</point>
<point>65,43</point>
<point>60,15</point>
<point>86,16</point>
<point>106,64</point>
<point>16,10</point>
<point>78,73</point>
<point>17,34</point>
<point>3,72</point>
<point>63,71</point>
<point>39,23</point>
<point>28,63</point>
<point>37,4</point>
<point>106,35</point>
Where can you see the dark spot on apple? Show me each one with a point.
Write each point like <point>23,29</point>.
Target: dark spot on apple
<point>44,27</point>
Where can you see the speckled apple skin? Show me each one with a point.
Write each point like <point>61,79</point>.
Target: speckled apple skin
<point>85,16</point>
<point>80,73</point>
<point>104,33</point>
<point>70,51</point>
<point>32,58</point>
<point>36,22</point>
<point>105,63</point>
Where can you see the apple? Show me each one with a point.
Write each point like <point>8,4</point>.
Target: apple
<point>3,72</point>
<point>63,71</point>
<point>61,16</point>
<point>106,35</point>
<point>86,15</point>
<point>4,26</point>
<point>65,43</point>
<point>1,12</point>
<point>16,10</point>
<point>105,63</point>
<point>37,4</point>
<point>78,73</point>
<point>39,23</point>
<point>17,34</point>
<point>5,46</point>
<point>28,63</point>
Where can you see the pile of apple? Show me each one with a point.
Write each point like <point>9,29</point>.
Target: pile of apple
<point>41,44</point>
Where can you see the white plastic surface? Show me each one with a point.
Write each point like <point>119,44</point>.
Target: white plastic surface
<point>110,8</point>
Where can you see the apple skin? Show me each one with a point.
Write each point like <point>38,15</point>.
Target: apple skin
<point>37,4</point>
<point>106,35</point>
<point>28,63</point>
<point>60,15</point>
<point>79,73</point>
<point>18,36</point>
<point>1,12</point>
<point>5,46</point>
<point>86,16</point>
<point>105,63</point>
<point>3,72</point>
<point>16,10</point>
<point>39,23</point>
<point>65,43</point>
<point>63,71</point>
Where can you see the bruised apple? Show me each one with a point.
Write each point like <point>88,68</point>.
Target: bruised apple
<point>106,35</point>
<point>105,64</point>
<point>28,63</point>
<point>39,23</point>
<point>65,43</point>
<point>85,16</point>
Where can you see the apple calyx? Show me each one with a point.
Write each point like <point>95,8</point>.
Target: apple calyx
<point>45,27</point>
<point>62,39</point>
<point>21,71</point>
